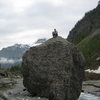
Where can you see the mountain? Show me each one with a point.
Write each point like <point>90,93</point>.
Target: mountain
<point>12,54</point>
<point>40,40</point>
<point>86,36</point>
<point>90,47</point>
<point>86,26</point>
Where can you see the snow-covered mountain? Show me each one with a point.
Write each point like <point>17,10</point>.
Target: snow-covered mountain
<point>39,41</point>
<point>12,55</point>
<point>14,52</point>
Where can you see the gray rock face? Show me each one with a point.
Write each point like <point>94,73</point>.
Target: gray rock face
<point>86,26</point>
<point>54,70</point>
<point>6,83</point>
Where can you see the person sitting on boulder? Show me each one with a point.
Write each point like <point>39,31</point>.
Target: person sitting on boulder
<point>54,33</point>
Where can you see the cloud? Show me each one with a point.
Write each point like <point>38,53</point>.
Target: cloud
<point>11,61</point>
<point>26,20</point>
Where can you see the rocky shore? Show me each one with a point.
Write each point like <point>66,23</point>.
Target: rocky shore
<point>92,87</point>
<point>18,91</point>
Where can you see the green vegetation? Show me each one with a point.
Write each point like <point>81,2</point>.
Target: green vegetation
<point>15,70</point>
<point>90,47</point>
<point>12,71</point>
<point>79,37</point>
<point>86,36</point>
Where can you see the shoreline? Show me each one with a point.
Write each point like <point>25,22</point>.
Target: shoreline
<point>17,91</point>
<point>92,87</point>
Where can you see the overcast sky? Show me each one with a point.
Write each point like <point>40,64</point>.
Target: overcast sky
<point>24,21</point>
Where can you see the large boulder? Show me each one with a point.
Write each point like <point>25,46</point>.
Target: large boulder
<point>54,69</point>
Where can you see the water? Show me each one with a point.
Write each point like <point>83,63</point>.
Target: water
<point>86,96</point>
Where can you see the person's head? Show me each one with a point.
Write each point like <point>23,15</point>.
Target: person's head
<point>54,29</point>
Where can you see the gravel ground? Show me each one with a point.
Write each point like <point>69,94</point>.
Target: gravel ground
<point>17,93</point>
<point>92,87</point>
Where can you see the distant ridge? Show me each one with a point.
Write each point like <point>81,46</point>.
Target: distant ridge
<point>12,55</point>
<point>40,40</point>
<point>86,26</point>
<point>90,46</point>
<point>14,51</point>
<point>86,36</point>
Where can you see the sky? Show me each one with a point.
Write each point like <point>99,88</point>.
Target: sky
<point>25,21</point>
